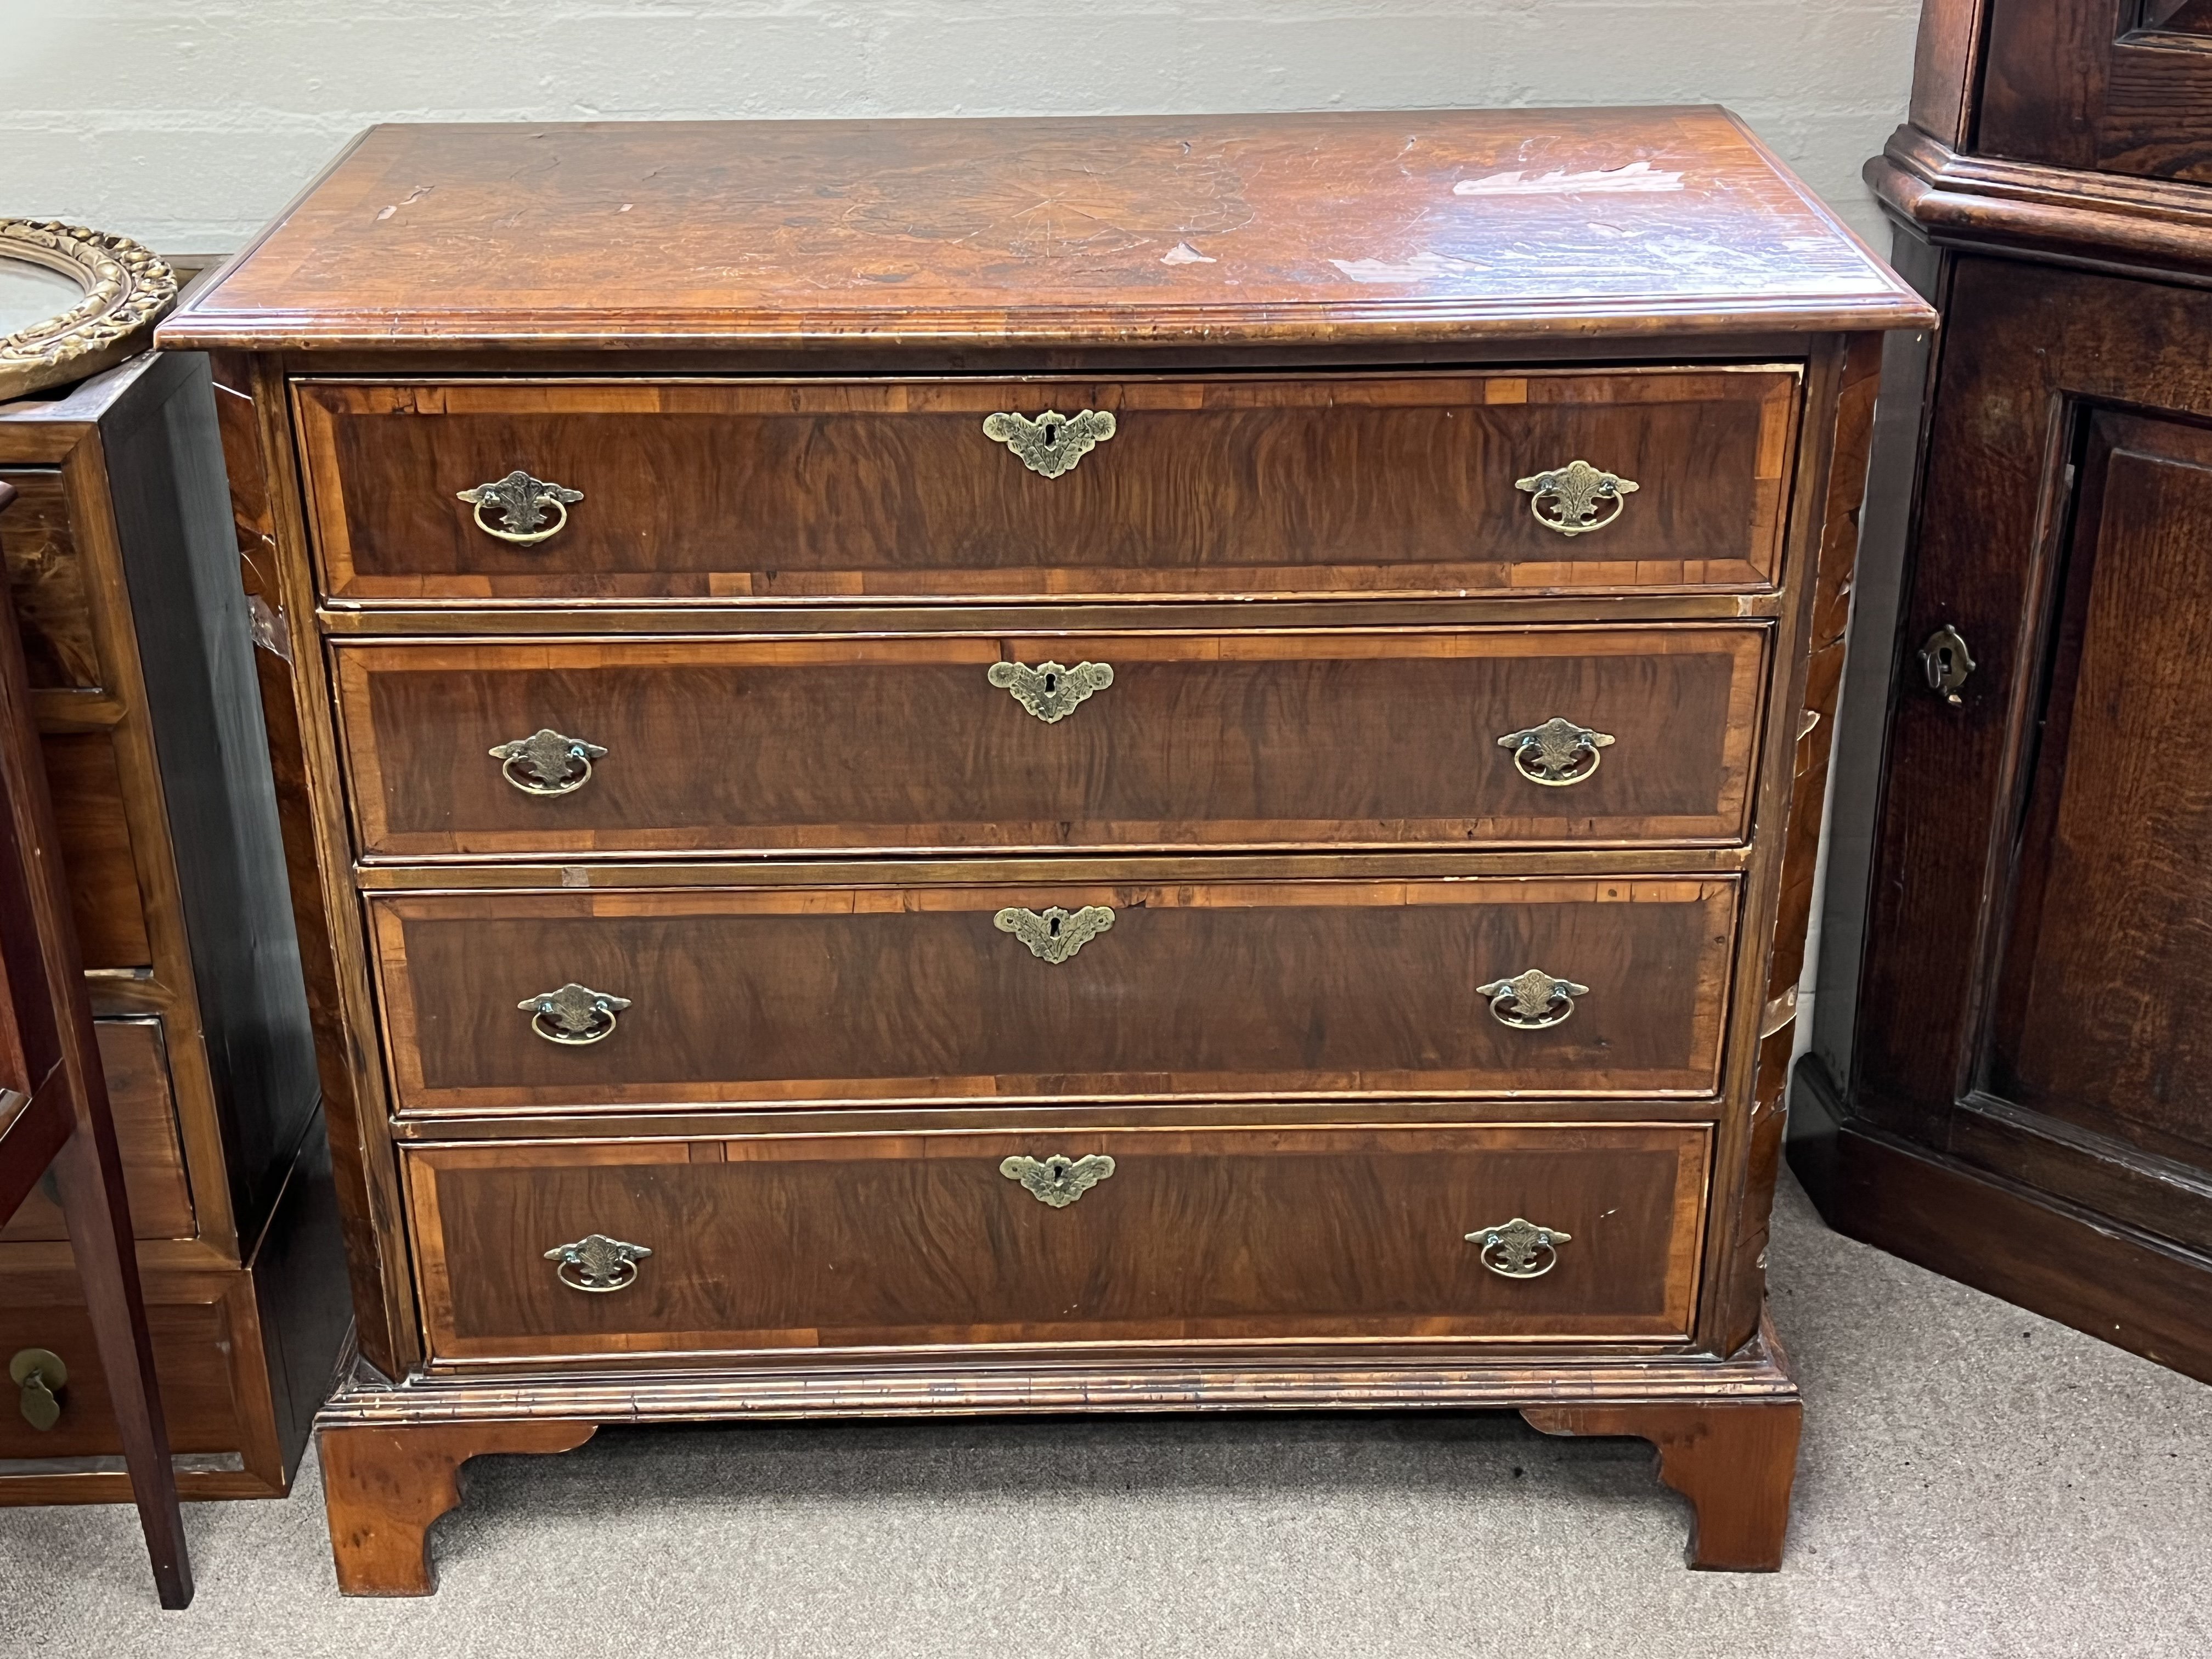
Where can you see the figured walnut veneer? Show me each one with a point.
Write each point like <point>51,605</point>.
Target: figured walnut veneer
<point>787,1144</point>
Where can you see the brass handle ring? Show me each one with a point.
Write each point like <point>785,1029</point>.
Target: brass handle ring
<point>1052,443</point>
<point>1533,1000</point>
<point>1557,753</point>
<point>574,1015</point>
<point>1050,692</point>
<point>597,1264</point>
<point>522,500</point>
<point>547,763</point>
<point>1518,1249</point>
<point>1574,493</point>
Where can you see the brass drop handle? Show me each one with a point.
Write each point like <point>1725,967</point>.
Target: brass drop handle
<point>522,502</point>
<point>41,1375</point>
<point>546,762</point>
<point>1052,443</point>
<point>1518,1249</point>
<point>1050,692</point>
<point>1574,494</point>
<point>1532,1000</point>
<point>1054,935</point>
<point>597,1264</point>
<point>1058,1180</point>
<point>1557,753</point>
<point>574,1015</point>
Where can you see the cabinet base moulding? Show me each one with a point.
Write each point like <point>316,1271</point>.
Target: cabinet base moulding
<point>1725,1429</point>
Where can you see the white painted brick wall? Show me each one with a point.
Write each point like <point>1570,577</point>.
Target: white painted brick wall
<point>188,125</point>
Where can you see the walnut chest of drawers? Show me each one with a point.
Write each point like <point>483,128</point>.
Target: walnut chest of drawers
<point>1139,764</point>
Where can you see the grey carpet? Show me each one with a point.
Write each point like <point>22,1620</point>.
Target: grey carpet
<point>1975,1481</point>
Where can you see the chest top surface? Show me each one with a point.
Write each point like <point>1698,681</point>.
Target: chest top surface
<point>1398,227</point>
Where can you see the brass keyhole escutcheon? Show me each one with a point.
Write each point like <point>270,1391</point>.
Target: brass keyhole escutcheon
<point>41,1375</point>
<point>1055,935</point>
<point>1051,443</point>
<point>1051,691</point>
<point>1947,662</point>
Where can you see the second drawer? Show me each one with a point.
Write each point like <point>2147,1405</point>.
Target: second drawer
<point>1394,737</point>
<point>522,1002</point>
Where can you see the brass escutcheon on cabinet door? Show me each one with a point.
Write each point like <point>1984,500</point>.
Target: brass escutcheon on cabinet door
<point>1557,753</point>
<point>1518,1249</point>
<point>1052,443</point>
<point>573,1015</point>
<point>1055,935</point>
<point>1050,692</point>
<point>1574,493</point>
<point>547,762</point>
<point>1532,1000</point>
<point>1058,1180</point>
<point>522,500</point>
<point>597,1264</point>
<point>41,1374</point>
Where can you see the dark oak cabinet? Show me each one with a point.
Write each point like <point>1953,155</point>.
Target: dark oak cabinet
<point>2008,1079</point>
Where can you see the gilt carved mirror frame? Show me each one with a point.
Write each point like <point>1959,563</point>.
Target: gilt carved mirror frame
<point>127,290</point>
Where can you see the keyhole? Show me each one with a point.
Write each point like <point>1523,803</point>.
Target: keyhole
<point>1053,927</point>
<point>1051,435</point>
<point>1051,684</point>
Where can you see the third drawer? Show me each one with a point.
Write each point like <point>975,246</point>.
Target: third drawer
<point>1395,738</point>
<point>572,1001</point>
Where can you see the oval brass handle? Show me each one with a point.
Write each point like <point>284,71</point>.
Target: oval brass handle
<point>573,1015</point>
<point>522,500</point>
<point>1533,1000</point>
<point>1058,1180</point>
<point>1048,690</point>
<point>1518,1249</point>
<point>548,763</point>
<point>1052,443</point>
<point>1055,935</point>
<point>1557,753</point>
<point>1575,492</point>
<point>40,1374</point>
<point>597,1264</point>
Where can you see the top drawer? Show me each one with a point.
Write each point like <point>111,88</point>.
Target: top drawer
<point>1367,485</point>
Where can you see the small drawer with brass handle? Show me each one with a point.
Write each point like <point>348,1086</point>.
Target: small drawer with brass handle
<point>41,1375</point>
<point>896,989</point>
<point>1328,486</point>
<point>818,1241</point>
<point>523,503</point>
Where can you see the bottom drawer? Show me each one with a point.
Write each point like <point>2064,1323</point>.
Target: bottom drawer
<point>194,1347</point>
<point>1225,1236</point>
